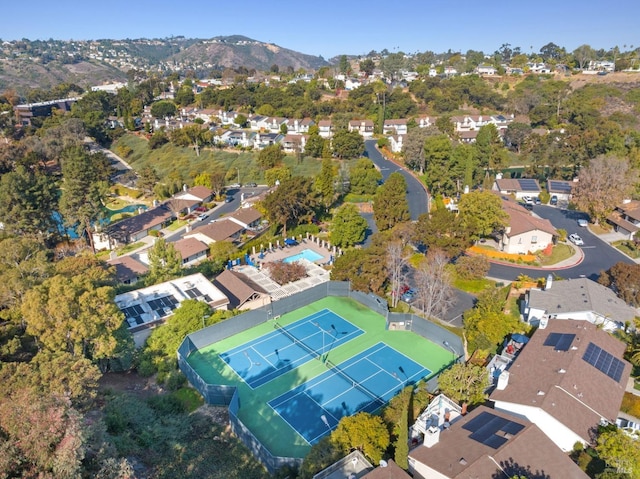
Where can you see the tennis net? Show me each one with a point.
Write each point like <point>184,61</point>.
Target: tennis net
<point>295,340</point>
<point>353,382</point>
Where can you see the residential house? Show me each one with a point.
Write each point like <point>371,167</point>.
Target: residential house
<point>134,228</point>
<point>201,194</point>
<point>525,233</point>
<point>487,443</point>
<point>325,128</point>
<point>561,189</point>
<point>450,71</point>
<point>237,138</point>
<point>395,127</point>
<point>352,84</point>
<point>262,140</point>
<point>241,291</point>
<point>537,67</point>
<point>191,250</point>
<point>147,307</point>
<point>364,127</point>
<point>128,269</point>
<point>249,218</point>
<point>568,380</point>
<point>300,126</point>
<point>519,187</point>
<point>387,470</point>
<point>294,143</point>
<point>486,70</point>
<point>258,122</point>
<point>396,142</point>
<point>227,117</point>
<point>426,122</point>
<point>601,65</point>
<point>467,136</point>
<point>216,231</point>
<point>577,299</point>
<point>625,218</point>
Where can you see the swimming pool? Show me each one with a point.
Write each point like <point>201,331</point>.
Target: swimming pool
<point>304,254</point>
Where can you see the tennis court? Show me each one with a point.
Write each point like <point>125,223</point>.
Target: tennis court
<point>270,356</point>
<point>365,382</point>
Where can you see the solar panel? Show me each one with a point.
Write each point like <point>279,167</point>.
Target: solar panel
<point>604,362</point>
<point>559,186</point>
<point>193,293</point>
<point>559,341</point>
<point>491,430</point>
<point>528,184</point>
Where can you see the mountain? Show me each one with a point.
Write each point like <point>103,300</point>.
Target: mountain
<point>235,51</point>
<point>26,64</point>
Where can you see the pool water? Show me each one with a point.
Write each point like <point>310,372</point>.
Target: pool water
<point>308,254</point>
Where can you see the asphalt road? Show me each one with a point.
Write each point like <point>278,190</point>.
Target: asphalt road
<point>416,194</point>
<point>598,255</point>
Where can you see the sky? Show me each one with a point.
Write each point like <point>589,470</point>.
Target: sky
<point>330,28</point>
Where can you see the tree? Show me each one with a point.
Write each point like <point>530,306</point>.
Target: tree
<point>481,213</point>
<point>158,139</point>
<point>344,64</point>
<point>85,188</point>
<point>364,177</point>
<point>365,268</point>
<point>472,267</point>
<point>620,450</point>
<point>624,278</point>
<point>315,145</point>
<point>443,230</point>
<point>490,151</point>
<point>367,66</point>
<point>516,135</point>
<point>147,180</point>
<point>74,311</point>
<point>165,262</point>
<point>270,156</point>
<point>348,227</point>
<point>390,206</point>
<point>604,183</point>
<point>284,273</point>
<point>28,199</point>
<point>437,155</point>
<point>433,284</point>
<point>583,54</point>
<point>325,183</point>
<point>163,109</point>
<point>347,144</point>
<point>397,263</point>
<point>294,200</point>
<point>486,325</point>
<point>217,182</point>
<point>413,147</point>
<point>364,432</point>
<point>465,383</point>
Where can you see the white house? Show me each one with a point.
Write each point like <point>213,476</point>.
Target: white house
<point>578,299</point>
<point>519,187</point>
<point>325,128</point>
<point>625,218</point>
<point>364,127</point>
<point>525,233</point>
<point>568,380</point>
<point>395,127</point>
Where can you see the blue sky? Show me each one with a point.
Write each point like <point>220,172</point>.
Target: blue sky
<point>330,27</point>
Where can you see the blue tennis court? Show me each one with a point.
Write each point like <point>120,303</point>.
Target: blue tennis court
<point>364,382</point>
<point>272,355</point>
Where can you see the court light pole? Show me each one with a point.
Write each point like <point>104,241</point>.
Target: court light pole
<point>317,325</point>
<point>448,346</point>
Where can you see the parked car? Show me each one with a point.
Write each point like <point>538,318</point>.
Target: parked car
<point>201,209</point>
<point>203,216</point>
<point>228,199</point>
<point>251,185</point>
<point>582,222</point>
<point>235,185</point>
<point>527,200</point>
<point>554,200</point>
<point>575,239</point>
<point>537,201</point>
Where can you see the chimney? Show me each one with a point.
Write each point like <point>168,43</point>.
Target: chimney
<point>503,381</point>
<point>543,322</point>
<point>498,176</point>
<point>549,282</point>
<point>432,436</point>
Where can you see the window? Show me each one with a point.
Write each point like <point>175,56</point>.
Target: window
<point>534,239</point>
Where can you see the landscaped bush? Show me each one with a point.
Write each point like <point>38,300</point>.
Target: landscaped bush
<point>283,273</point>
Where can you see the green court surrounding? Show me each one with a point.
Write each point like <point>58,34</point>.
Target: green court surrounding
<point>256,414</point>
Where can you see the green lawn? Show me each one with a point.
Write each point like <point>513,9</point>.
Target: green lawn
<point>473,286</point>
<point>258,416</point>
<point>130,247</point>
<point>628,248</point>
<point>560,252</point>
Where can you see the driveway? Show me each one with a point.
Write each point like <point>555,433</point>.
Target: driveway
<point>598,254</point>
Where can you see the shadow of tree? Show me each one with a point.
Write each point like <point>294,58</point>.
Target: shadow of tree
<point>512,469</point>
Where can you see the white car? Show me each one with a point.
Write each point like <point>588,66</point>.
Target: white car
<point>582,222</point>
<point>575,239</point>
<point>203,216</point>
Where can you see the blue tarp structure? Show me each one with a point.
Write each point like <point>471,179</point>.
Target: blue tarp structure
<point>290,242</point>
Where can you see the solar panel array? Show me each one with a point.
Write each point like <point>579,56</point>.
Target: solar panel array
<point>492,430</point>
<point>559,186</point>
<point>604,362</point>
<point>133,314</point>
<point>528,184</point>
<point>559,341</point>
<point>159,305</point>
<point>193,293</point>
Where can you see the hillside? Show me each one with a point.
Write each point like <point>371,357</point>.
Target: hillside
<point>29,64</point>
<point>235,51</point>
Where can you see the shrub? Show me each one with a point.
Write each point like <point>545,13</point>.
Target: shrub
<point>175,380</point>
<point>472,267</point>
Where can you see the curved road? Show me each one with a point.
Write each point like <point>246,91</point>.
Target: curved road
<point>416,194</point>
<point>598,255</point>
